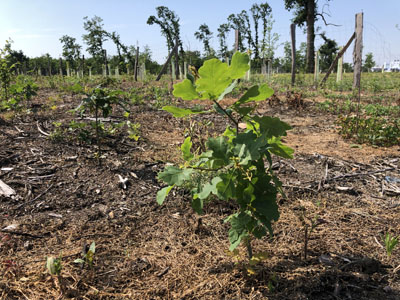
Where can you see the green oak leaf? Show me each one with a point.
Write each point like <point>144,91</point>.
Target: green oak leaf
<point>226,187</point>
<point>209,188</point>
<point>219,147</point>
<point>227,90</point>
<point>163,193</point>
<point>173,175</point>
<point>247,146</point>
<point>239,228</point>
<point>178,112</point>
<point>185,90</point>
<point>214,78</point>
<point>185,148</point>
<point>239,65</point>
<point>271,126</point>
<point>256,93</point>
<point>276,147</point>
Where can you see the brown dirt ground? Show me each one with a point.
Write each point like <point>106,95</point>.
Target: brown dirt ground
<point>65,201</point>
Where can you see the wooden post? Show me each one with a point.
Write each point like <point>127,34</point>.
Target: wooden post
<point>68,70</point>
<point>357,53</point>
<point>49,65</point>
<point>136,62</point>
<point>105,73</point>
<point>177,59</point>
<point>339,73</point>
<point>60,67</point>
<point>316,68</point>
<point>237,36</point>
<point>166,63</point>
<point>117,72</point>
<point>83,65</point>
<point>90,72</point>
<point>293,36</point>
<point>185,70</point>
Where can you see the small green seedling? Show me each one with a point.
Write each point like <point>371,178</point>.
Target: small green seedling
<point>54,265</point>
<point>390,243</point>
<point>87,257</point>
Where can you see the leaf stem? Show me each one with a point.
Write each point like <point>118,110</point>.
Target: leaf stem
<point>229,116</point>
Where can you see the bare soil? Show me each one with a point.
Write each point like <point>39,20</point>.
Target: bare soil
<point>65,201</point>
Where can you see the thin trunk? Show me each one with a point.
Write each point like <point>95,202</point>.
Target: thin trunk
<point>310,35</point>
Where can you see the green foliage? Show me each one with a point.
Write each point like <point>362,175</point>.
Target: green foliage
<point>233,165</point>
<point>53,265</point>
<point>390,243</point>
<point>87,257</point>
<point>377,131</point>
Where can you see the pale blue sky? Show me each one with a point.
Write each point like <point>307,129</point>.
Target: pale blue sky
<point>35,26</point>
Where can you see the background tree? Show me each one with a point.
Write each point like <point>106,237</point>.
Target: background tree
<point>95,36</point>
<point>369,62</point>
<point>71,50</point>
<point>256,15</point>
<point>306,13</point>
<point>168,21</point>
<point>204,35</point>
<point>327,51</point>
<point>236,23</point>
<point>286,61</point>
<point>223,31</point>
<point>245,20</point>
<point>270,39</point>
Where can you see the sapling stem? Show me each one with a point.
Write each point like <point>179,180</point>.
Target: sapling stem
<point>229,116</point>
<point>249,248</point>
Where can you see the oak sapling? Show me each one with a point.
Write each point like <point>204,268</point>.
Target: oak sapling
<point>390,243</point>
<point>237,165</point>
<point>100,102</point>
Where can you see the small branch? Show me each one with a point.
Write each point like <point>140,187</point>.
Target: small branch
<point>229,116</point>
<point>323,19</point>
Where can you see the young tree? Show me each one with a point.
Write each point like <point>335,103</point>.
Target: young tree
<point>306,13</point>
<point>369,62</point>
<point>223,31</point>
<point>270,39</point>
<point>71,49</point>
<point>95,36</point>
<point>204,35</point>
<point>327,51</point>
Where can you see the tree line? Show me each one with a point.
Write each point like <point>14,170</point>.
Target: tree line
<point>253,27</point>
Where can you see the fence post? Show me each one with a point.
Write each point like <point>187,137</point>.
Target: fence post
<point>293,36</point>
<point>357,53</point>
<point>339,74</point>
<point>136,63</point>
<point>105,73</point>
<point>316,68</point>
<point>61,70</point>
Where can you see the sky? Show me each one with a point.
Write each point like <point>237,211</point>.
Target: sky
<point>36,26</point>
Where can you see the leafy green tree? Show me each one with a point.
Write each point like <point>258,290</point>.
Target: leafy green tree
<point>236,23</point>
<point>270,39</point>
<point>95,36</point>
<point>286,61</point>
<point>71,50</point>
<point>204,35</point>
<point>306,13</point>
<point>223,31</point>
<point>256,15</point>
<point>168,21</point>
<point>327,51</point>
<point>369,62</point>
<point>247,29</point>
